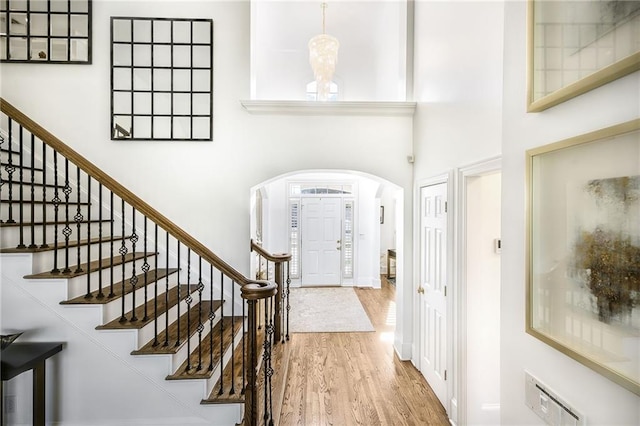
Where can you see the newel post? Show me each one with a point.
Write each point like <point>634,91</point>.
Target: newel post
<point>278,303</point>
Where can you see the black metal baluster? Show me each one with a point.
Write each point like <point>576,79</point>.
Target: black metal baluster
<point>44,196</point>
<point>66,231</point>
<point>166,294</point>
<point>78,218</point>
<point>21,186</point>
<point>221,391</point>
<point>123,253</point>
<point>288,291</point>
<point>2,180</point>
<point>200,325</point>
<point>56,206</point>
<point>111,293</point>
<point>189,300</point>
<point>178,307</point>
<point>155,286</point>
<point>233,346</point>
<point>100,293</point>
<point>89,296</point>
<point>269,368</point>
<point>265,363</point>
<point>259,303</point>
<point>134,279</point>
<point>33,193</point>
<point>244,343</point>
<point>212,317</point>
<point>10,168</point>
<point>145,268</point>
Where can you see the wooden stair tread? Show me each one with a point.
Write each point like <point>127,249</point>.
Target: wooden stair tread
<point>59,222</point>
<point>162,308</point>
<point>40,202</point>
<point>93,266</point>
<point>61,245</point>
<point>152,276</point>
<point>227,340</point>
<point>198,313</point>
<point>38,184</point>
<point>237,374</point>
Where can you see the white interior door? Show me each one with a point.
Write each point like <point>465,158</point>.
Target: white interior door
<point>320,245</point>
<point>432,289</point>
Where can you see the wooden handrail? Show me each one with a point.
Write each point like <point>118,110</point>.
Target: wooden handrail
<point>122,192</point>
<point>277,258</point>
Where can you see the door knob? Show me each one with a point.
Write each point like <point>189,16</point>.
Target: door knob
<point>338,241</point>
<point>339,248</point>
<point>421,290</point>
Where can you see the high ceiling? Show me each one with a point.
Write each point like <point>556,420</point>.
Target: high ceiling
<point>371,59</point>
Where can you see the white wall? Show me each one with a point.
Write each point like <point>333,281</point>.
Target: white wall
<point>600,400</point>
<point>483,300</point>
<point>458,86</point>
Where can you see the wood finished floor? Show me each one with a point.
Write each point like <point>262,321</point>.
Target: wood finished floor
<point>346,379</point>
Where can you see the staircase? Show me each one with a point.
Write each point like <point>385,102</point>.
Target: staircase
<point>82,235</point>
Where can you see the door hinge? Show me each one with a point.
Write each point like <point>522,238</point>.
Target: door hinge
<point>446,206</point>
<point>445,291</point>
<point>445,374</point>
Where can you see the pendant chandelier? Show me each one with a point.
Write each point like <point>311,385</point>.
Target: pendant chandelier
<point>323,56</point>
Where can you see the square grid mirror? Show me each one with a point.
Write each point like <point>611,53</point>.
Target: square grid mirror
<point>46,31</point>
<point>161,79</point>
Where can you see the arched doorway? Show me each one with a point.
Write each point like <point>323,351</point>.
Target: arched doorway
<point>360,217</point>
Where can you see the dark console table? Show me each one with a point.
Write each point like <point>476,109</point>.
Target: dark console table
<point>21,357</point>
<point>391,254</point>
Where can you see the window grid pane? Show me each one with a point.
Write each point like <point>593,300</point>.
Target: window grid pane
<point>294,238</point>
<point>347,240</point>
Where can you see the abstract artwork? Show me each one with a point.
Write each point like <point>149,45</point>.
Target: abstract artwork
<point>583,263</point>
<point>606,253</point>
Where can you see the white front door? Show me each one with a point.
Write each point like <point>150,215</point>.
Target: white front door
<point>432,289</point>
<point>320,245</point>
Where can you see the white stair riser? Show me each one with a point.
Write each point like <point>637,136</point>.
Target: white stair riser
<point>211,382</point>
<point>45,261</point>
<point>179,357</point>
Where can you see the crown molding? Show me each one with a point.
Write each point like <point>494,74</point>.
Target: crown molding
<point>329,108</point>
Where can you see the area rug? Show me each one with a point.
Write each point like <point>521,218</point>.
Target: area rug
<point>327,310</point>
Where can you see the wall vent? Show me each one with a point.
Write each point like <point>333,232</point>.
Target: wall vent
<point>548,405</point>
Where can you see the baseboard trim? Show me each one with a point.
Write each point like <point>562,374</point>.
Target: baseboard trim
<point>403,350</point>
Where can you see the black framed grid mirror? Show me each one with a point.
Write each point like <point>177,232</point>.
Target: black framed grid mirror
<point>45,31</point>
<point>161,79</point>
